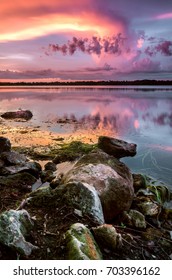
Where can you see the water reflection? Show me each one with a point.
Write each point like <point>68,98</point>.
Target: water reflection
<point>142,116</point>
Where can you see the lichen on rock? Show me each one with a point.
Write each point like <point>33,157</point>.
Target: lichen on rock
<point>14,227</point>
<point>80,244</point>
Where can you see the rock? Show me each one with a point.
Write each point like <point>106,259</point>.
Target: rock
<point>116,147</point>
<point>34,168</point>
<point>21,181</point>
<point>106,236</point>
<point>47,176</point>
<point>134,218</point>
<point>42,197</point>
<point>80,244</point>
<point>149,208</point>
<point>13,158</point>
<point>13,189</point>
<point>2,163</point>
<point>167,210</point>
<point>50,166</point>
<point>139,182</point>
<point>166,216</point>
<point>14,227</point>
<point>5,145</point>
<point>84,197</point>
<point>111,179</point>
<point>144,193</point>
<point>79,196</point>
<point>20,114</point>
<point>55,183</point>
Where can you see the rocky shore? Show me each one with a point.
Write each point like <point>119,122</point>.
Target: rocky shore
<point>95,210</point>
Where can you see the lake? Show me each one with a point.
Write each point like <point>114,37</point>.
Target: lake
<point>142,115</point>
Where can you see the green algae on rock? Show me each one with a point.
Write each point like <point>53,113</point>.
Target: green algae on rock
<point>80,244</point>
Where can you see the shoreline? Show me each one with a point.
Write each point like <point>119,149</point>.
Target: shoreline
<point>137,225</point>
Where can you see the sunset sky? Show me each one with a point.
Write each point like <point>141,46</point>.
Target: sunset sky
<point>85,40</point>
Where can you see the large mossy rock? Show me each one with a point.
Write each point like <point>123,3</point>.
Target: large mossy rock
<point>83,197</point>
<point>80,196</point>
<point>116,147</point>
<point>112,180</point>
<point>14,227</point>
<point>80,244</point>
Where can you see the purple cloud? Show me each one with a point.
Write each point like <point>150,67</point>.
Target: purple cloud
<point>95,45</point>
<point>145,65</point>
<point>164,47</point>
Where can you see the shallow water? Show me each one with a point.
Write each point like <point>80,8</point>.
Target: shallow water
<point>142,115</point>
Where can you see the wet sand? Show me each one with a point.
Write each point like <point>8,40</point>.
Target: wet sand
<point>24,134</point>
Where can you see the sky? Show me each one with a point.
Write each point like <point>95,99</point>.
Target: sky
<point>85,40</point>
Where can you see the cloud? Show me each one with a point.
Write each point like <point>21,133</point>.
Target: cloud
<point>20,21</point>
<point>106,68</point>
<point>145,65</point>
<point>95,45</point>
<point>164,16</point>
<point>164,119</point>
<point>164,48</point>
<point>81,73</point>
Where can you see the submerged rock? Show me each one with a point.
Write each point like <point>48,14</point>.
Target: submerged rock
<point>20,114</point>
<point>80,244</point>
<point>112,180</point>
<point>5,145</point>
<point>14,227</point>
<point>116,147</point>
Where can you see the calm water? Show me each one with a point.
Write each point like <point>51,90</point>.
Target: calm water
<point>139,115</point>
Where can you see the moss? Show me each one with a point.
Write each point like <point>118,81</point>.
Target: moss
<point>81,244</point>
<point>60,152</point>
<point>73,150</point>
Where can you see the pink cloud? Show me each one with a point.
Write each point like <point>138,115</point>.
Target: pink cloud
<point>145,65</point>
<point>164,16</point>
